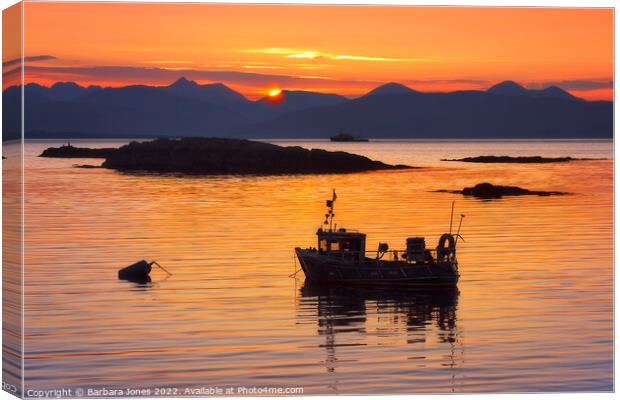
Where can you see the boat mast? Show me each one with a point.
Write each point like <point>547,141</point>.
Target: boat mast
<point>451,216</point>
<point>329,216</point>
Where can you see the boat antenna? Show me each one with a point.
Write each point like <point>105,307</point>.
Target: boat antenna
<point>329,216</point>
<point>451,216</point>
<point>458,231</point>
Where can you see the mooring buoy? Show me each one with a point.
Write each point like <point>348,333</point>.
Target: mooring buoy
<point>138,270</point>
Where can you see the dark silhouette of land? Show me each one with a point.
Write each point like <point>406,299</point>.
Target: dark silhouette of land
<point>518,160</point>
<point>463,114</point>
<point>490,191</point>
<point>68,151</point>
<point>511,88</point>
<point>216,156</point>
<point>186,108</point>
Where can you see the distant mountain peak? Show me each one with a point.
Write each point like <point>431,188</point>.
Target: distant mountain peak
<point>557,91</point>
<point>66,85</point>
<point>512,88</point>
<point>555,88</point>
<point>507,87</point>
<point>31,85</point>
<point>390,88</point>
<point>211,92</point>
<point>183,82</point>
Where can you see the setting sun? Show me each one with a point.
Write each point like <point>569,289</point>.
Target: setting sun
<point>274,92</point>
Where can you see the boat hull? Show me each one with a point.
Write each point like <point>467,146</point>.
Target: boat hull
<point>319,268</point>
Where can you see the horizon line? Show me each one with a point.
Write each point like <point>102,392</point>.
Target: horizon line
<point>282,88</point>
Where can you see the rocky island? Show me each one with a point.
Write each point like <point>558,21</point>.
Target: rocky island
<point>215,156</point>
<point>518,160</point>
<point>69,151</point>
<point>490,191</point>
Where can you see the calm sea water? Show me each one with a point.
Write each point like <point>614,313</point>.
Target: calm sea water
<point>533,309</point>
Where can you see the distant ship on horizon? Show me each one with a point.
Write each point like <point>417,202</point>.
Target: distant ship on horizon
<point>343,136</point>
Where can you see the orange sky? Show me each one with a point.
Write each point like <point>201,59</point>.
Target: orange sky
<point>340,49</point>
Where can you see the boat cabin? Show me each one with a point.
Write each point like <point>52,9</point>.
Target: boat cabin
<point>341,243</point>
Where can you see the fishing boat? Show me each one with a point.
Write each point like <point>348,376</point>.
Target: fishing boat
<point>343,136</point>
<point>341,258</point>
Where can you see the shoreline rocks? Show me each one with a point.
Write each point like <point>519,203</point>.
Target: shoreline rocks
<point>518,160</point>
<point>68,151</point>
<point>489,191</point>
<point>215,156</point>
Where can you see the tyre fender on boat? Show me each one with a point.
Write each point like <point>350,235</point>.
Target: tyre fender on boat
<point>446,249</point>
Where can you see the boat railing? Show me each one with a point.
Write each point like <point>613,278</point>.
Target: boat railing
<point>389,255</point>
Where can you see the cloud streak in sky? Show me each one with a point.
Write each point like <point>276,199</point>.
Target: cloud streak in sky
<point>167,62</point>
<point>27,59</point>
<point>146,74</point>
<point>318,55</point>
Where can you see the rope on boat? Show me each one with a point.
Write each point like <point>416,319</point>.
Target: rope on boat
<point>294,274</point>
<point>155,263</point>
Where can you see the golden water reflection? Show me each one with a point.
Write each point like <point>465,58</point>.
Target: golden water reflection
<point>369,317</point>
<point>533,311</point>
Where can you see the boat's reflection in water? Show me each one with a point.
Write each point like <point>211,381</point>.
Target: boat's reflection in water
<point>424,321</point>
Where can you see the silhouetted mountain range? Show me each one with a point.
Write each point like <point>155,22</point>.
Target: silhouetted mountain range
<point>512,88</point>
<point>186,108</point>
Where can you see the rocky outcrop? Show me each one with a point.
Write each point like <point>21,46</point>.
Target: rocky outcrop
<point>235,156</point>
<point>490,191</point>
<point>68,151</point>
<point>517,160</point>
